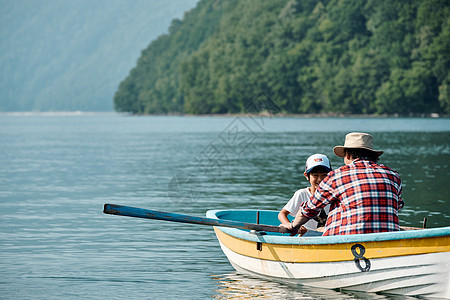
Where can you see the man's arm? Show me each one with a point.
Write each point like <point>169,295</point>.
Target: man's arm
<point>299,220</point>
<point>296,225</point>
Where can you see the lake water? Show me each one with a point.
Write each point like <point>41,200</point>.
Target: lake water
<point>56,172</point>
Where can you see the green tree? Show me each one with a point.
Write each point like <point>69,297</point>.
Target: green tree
<point>308,56</point>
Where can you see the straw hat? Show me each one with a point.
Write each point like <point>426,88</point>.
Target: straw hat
<point>356,140</point>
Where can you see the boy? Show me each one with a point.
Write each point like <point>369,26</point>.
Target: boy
<point>317,168</point>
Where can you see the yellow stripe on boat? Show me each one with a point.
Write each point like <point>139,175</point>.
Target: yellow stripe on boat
<point>333,252</point>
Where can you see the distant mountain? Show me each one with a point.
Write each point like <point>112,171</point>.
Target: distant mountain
<point>59,55</point>
<point>305,56</point>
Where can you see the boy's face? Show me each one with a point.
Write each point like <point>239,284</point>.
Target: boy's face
<point>315,178</point>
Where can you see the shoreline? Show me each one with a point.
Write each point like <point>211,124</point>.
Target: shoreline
<point>265,114</point>
<point>319,115</point>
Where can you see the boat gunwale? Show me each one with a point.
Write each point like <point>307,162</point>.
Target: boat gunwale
<point>320,240</point>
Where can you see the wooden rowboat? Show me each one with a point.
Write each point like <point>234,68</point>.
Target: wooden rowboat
<point>411,262</point>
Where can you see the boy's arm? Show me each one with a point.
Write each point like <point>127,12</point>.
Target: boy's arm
<point>283,216</point>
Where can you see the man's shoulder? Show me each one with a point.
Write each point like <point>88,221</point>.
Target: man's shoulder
<point>352,168</point>
<point>364,163</point>
<point>384,167</point>
<point>339,170</point>
<point>390,172</point>
<point>377,168</point>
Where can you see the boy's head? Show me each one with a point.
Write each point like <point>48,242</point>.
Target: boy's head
<point>317,163</point>
<point>317,168</point>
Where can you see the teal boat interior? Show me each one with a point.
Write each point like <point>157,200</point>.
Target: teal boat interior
<point>268,217</point>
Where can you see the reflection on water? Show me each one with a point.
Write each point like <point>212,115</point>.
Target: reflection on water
<point>239,286</point>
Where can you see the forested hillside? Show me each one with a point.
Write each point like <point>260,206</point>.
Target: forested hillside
<point>307,56</point>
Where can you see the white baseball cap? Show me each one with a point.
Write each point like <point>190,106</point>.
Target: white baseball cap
<point>316,160</point>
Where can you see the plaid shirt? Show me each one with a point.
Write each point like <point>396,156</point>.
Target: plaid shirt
<point>365,197</point>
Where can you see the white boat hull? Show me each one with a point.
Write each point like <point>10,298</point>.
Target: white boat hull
<point>409,262</point>
<point>416,275</point>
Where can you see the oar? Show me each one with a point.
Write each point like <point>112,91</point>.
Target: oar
<point>128,211</point>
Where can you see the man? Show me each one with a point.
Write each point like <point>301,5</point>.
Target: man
<point>365,196</point>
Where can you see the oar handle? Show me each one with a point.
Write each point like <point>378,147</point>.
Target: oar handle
<point>129,211</point>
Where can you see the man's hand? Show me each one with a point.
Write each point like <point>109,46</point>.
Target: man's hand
<point>302,231</point>
<point>293,231</point>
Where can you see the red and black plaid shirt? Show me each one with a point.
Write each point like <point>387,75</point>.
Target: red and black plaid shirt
<point>365,197</point>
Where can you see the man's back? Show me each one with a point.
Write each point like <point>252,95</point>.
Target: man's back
<point>365,197</point>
